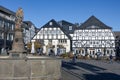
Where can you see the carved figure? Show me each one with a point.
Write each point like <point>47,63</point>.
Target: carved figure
<point>19,18</point>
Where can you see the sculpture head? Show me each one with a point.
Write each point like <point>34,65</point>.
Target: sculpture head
<point>19,13</point>
<point>19,19</point>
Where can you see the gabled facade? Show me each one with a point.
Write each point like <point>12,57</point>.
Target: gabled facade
<point>7,23</point>
<point>28,31</point>
<point>53,38</point>
<point>93,36</point>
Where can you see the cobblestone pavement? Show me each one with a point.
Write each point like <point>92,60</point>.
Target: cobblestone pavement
<point>66,75</point>
<point>90,70</point>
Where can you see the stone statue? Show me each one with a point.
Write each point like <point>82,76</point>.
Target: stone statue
<point>18,44</point>
<point>19,18</point>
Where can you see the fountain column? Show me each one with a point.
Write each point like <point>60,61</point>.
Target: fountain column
<point>18,45</point>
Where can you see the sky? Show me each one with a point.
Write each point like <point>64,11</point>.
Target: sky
<point>74,11</point>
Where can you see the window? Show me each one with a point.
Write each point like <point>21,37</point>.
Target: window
<point>89,37</point>
<point>93,38</point>
<point>97,42</point>
<point>79,51</point>
<point>63,41</point>
<point>59,41</point>
<point>90,42</point>
<point>50,23</point>
<point>93,52</point>
<point>111,51</point>
<point>107,51</point>
<point>5,25</point>
<point>76,51</point>
<point>59,32</point>
<point>50,36</point>
<point>50,41</point>
<point>10,37</point>
<point>10,26</point>
<point>45,36</point>
<point>0,35</point>
<point>54,36</point>
<point>94,42</point>
<point>55,32</point>
<point>13,26</point>
<point>82,51</point>
<point>62,36</point>
<point>58,36</point>
<point>0,23</point>
<point>83,38</point>
<point>70,27</point>
<point>46,32</point>
<point>96,37</point>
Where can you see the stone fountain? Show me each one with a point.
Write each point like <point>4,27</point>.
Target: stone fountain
<point>19,66</point>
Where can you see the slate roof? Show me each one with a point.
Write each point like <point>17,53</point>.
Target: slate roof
<point>116,33</point>
<point>93,21</point>
<point>7,11</point>
<point>36,30</point>
<point>24,25</point>
<point>65,25</point>
<point>29,23</point>
<point>63,22</point>
<point>55,25</point>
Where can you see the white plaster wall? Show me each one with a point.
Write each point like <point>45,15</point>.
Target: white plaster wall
<point>55,43</point>
<point>44,49</point>
<point>46,42</point>
<point>68,46</point>
<point>71,35</point>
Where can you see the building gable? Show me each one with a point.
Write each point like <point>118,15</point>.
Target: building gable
<point>94,23</point>
<point>51,30</point>
<point>52,23</point>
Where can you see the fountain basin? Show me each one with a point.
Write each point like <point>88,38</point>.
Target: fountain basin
<point>30,68</point>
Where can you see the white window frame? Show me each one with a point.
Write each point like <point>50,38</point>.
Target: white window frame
<point>70,27</point>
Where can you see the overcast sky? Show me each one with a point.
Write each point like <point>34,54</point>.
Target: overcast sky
<point>74,11</point>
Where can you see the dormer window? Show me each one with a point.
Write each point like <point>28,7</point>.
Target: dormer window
<point>93,27</point>
<point>70,27</point>
<point>50,23</point>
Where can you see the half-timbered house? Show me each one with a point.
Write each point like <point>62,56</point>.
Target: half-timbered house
<point>54,38</point>
<point>93,36</point>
